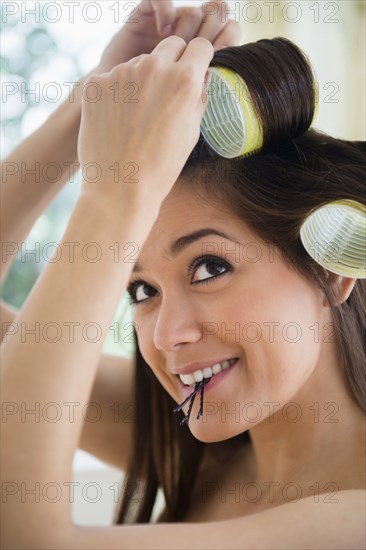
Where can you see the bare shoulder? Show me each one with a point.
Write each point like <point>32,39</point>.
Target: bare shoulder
<point>328,522</point>
<point>336,522</point>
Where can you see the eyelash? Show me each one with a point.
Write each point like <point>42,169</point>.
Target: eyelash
<point>132,287</point>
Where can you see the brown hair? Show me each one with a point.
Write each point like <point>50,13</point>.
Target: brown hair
<point>272,191</point>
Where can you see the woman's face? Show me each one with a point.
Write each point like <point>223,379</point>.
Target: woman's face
<point>204,298</point>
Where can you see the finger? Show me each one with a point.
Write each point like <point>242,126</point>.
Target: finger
<point>192,22</point>
<point>188,23</point>
<point>214,21</point>
<point>165,15</point>
<point>135,60</point>
<point>198,55</point>
<point>231,35</point>
<point>170,49</point>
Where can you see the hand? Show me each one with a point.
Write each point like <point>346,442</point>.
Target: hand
<point>155,19</point>
<point>154,130</point>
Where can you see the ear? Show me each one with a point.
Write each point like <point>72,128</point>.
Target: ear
<point>341,286</point>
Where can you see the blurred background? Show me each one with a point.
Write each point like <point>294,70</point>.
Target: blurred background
<point>46,47</point>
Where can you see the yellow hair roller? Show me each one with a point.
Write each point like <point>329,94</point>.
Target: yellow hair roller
<point>334,235</point>
<point>230,125</point>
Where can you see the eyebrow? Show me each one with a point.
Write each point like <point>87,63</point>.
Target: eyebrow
<point>183,242</point>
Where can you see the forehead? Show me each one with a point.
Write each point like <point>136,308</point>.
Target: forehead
<point>185,204</point>
<point>184,211</point>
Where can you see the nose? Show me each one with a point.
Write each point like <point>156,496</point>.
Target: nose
<point>176,324</point>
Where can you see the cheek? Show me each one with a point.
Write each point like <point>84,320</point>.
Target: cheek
<point>296,305</point>
<point>276,323</point>
<point>289,352</point>
<point>142,334</point>
<point>265,311</point>
<point>153,357</point>
<point>145,341</point>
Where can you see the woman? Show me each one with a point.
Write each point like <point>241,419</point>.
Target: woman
<point>176,321</point>
<point>297,329</point>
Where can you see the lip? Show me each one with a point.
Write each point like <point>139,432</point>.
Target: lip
<point>189,369</point>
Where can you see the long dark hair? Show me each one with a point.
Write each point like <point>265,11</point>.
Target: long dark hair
<point>273,191</point>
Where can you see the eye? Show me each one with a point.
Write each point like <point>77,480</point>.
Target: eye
<point>206,268</point>
<point>140,291</point>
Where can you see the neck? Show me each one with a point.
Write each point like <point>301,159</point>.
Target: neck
<point>314,444</point>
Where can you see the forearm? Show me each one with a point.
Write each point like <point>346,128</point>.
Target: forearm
<point>35,172</point>
<point>36,450</point>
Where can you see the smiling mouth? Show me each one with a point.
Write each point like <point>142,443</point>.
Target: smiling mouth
<point>206,373</point>
<point>198,386</point>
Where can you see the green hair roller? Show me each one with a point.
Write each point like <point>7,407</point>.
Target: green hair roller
<point>334,234</point>
<point>230,125</point>
<point>335,237</point>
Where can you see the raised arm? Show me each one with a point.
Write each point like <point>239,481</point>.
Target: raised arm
<point>37,169</point>
<point>27,194</point>
<point>112,396</point>
<point>62,372</point>
<point>107,439</point>
<point>34,173</point>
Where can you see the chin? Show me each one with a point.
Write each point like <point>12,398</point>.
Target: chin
<point>214,431</point>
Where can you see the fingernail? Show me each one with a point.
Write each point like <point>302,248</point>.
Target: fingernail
<point>208,78</point>
<point>166,31</point>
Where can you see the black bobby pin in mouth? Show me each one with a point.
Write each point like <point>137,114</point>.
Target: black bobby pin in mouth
<point>199,386</point>
<point>186,418</point>
<point>200,412</point>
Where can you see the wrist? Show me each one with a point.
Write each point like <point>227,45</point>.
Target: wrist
<point>129,206</point>
<point>123,183</point>
<point>72,103</point>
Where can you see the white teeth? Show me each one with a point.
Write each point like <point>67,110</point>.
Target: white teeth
<point>207,372</point>
<point>199,375</point>
<point>216,368</point>
<point>187,379</point>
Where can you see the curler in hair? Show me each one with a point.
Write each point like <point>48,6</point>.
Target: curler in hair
<point>252,90</point>
<point>334,235</point>
<point>239,121</point>
<point>230,125</point>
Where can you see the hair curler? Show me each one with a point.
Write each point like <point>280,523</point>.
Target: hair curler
<point>334,234</point>
<point>230,125</point>
<point>335,237</point>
